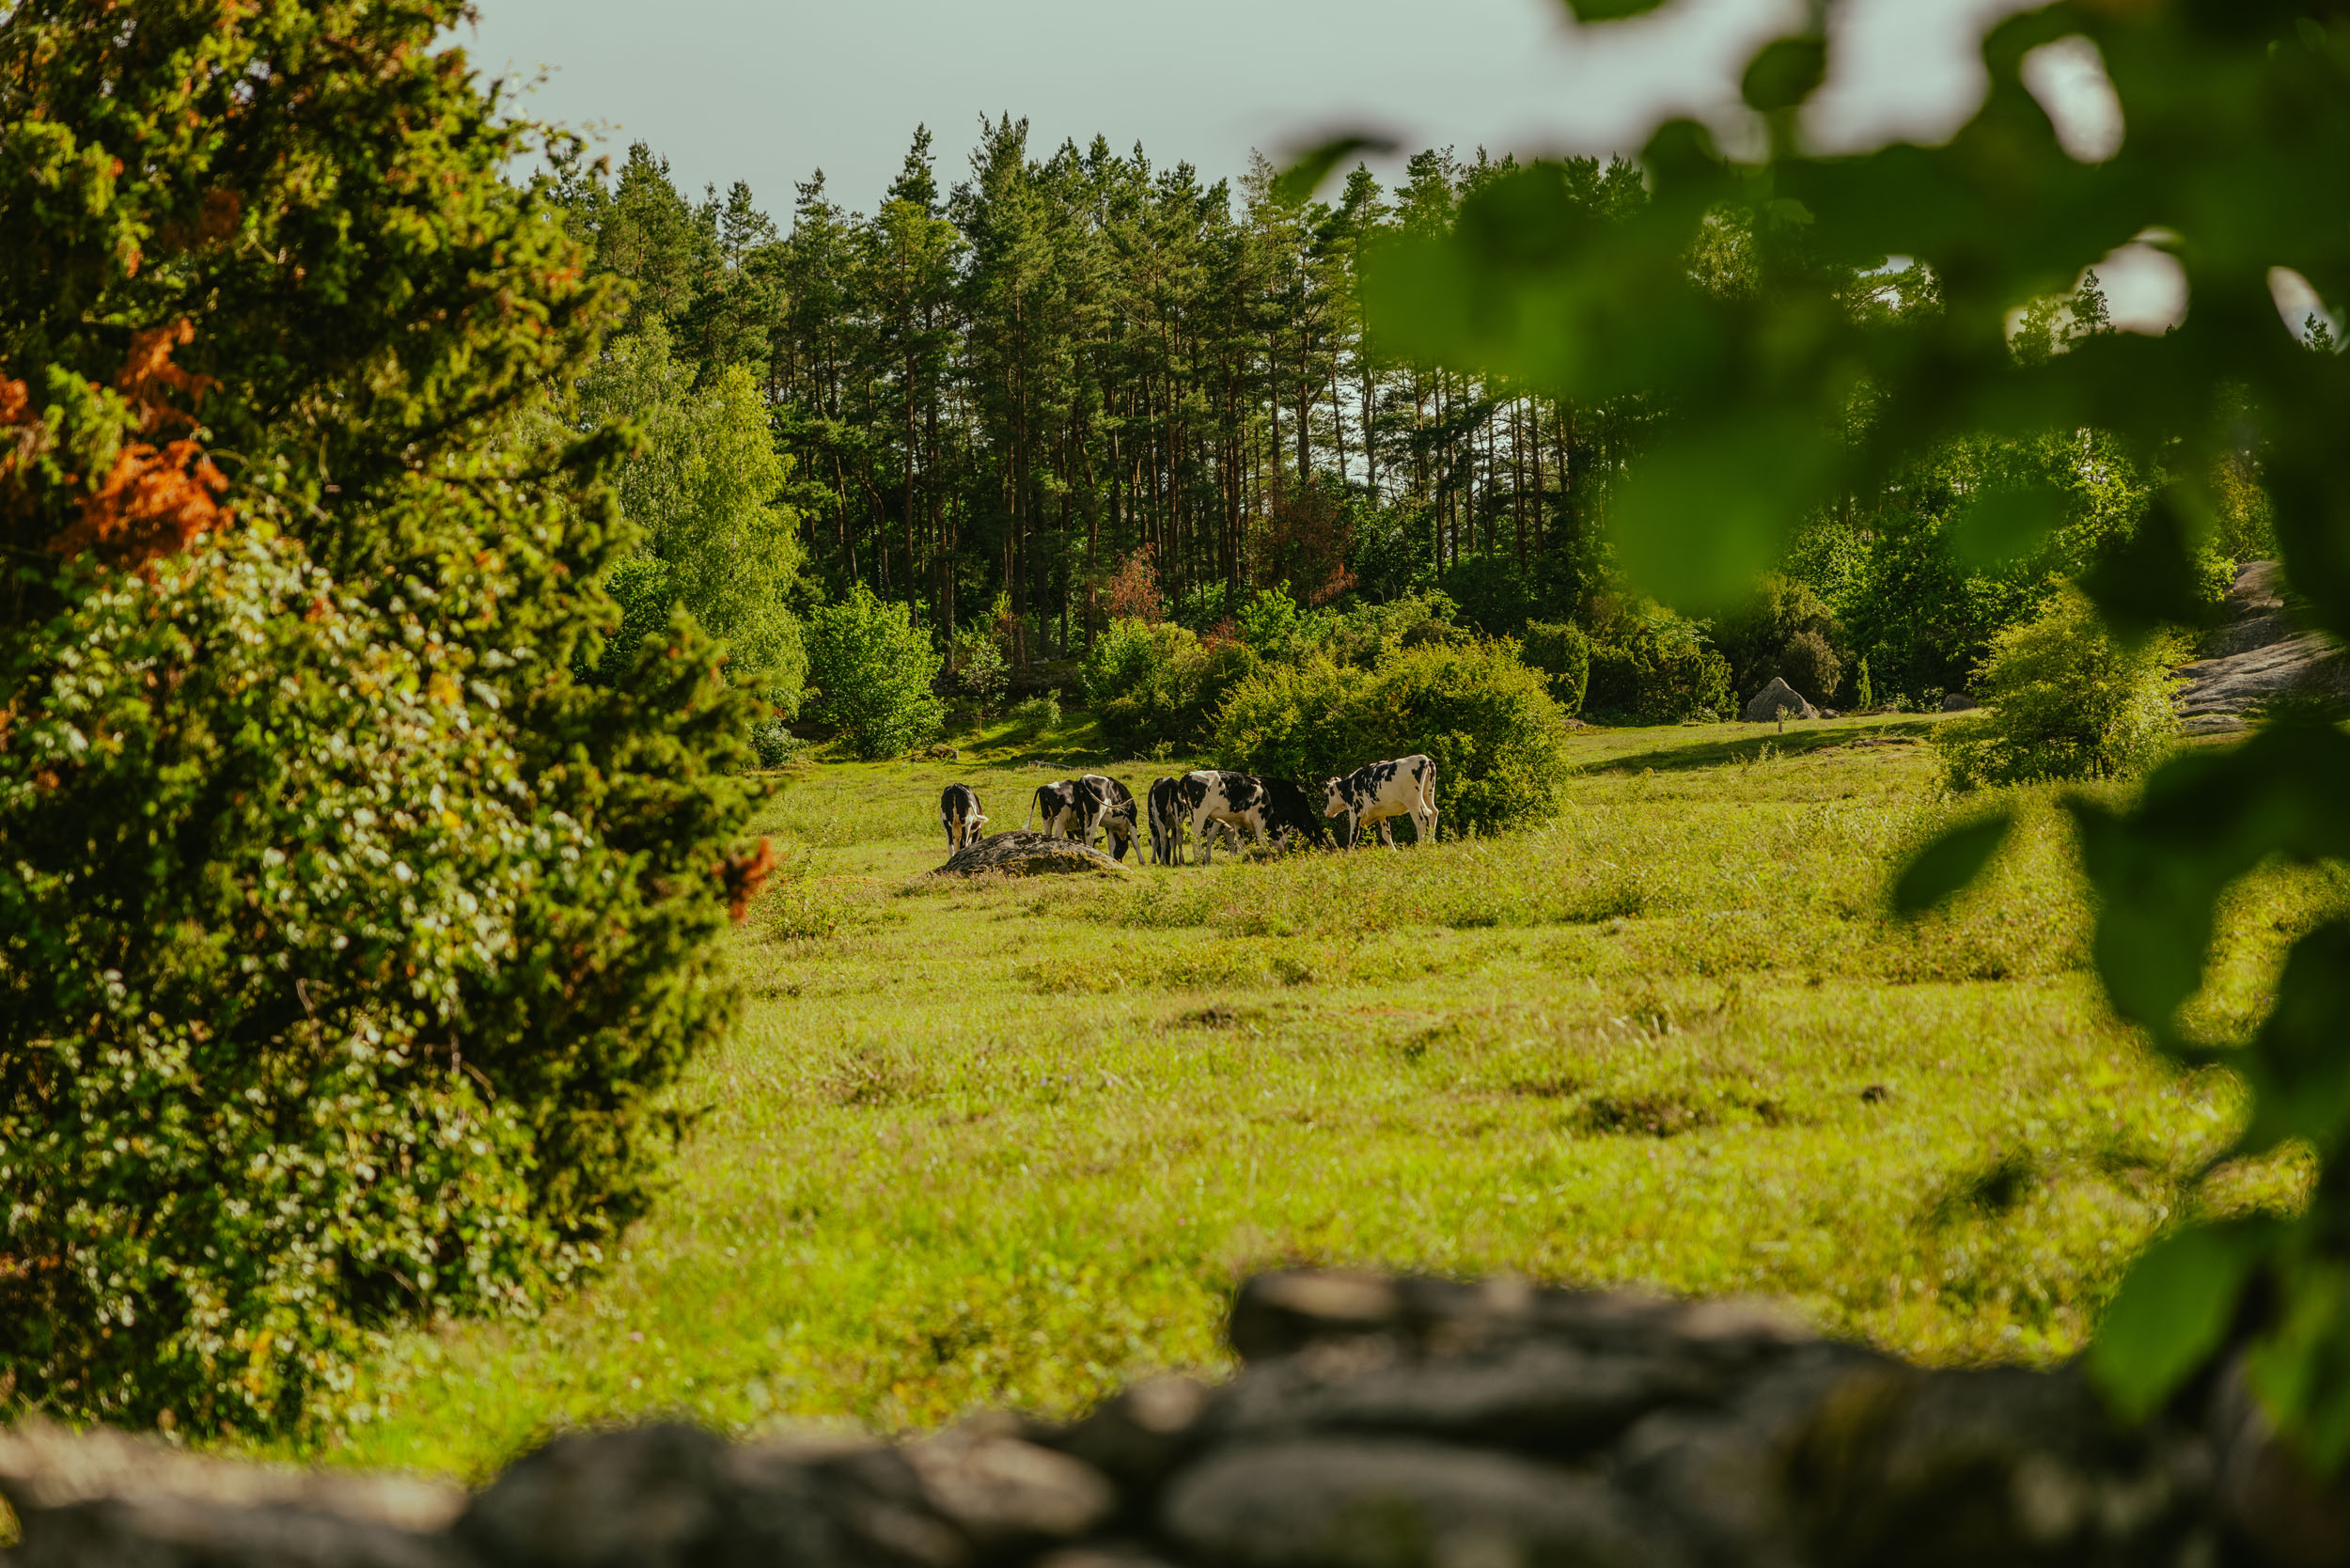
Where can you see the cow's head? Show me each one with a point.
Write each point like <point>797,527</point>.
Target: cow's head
<point>1333,796</point>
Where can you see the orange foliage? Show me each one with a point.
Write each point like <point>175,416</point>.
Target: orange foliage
<point>1134,591</point>
<point>155,498</point>
<point>744,877</point>
<point>152,503</point>
<point>149,372</point>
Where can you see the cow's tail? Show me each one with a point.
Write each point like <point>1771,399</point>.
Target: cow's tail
<point>1034,801</point>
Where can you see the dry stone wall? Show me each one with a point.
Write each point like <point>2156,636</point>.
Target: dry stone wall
<point>1384,1423</point>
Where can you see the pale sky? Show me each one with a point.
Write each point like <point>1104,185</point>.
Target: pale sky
<point>767,90</point>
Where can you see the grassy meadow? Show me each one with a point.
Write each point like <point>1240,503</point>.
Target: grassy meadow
<point>1013,1142</point>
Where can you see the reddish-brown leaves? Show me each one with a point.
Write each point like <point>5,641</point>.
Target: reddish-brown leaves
<point>148,374</point>
<point>152,503</point>
<point>743,875</point>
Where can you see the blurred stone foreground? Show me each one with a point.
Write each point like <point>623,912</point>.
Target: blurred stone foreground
<point>1378,1423</point>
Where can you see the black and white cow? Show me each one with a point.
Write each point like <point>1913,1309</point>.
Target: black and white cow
<point>1115,817</point>
<point>1167,822</point>
<point>1212,796</point>
<point>1372,795</point>
<point>1169,813</point>
<point>1290,813</point>
<point>958,814</point>
<point>1080,807</point>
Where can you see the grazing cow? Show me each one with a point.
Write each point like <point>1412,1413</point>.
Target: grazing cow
<point>958,814</point>
<point>1080,807</point>
<point>1290,813</point>
<point>1167,822</point>
<point>1372,795</point>
<point>1115,817</point>
<point>1170,811</point>
<point>1213,795</point>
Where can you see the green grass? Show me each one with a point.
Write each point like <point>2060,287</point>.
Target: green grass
<point>1012,1143</point>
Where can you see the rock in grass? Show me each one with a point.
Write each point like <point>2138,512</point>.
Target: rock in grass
<point>1777,699</point>
<point>1386,1504</point>
<point>1959,702</point>
<point>1024,854</point>
<point>88,1499</point>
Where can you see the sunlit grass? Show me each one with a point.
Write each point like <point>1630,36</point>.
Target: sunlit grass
<point>1013,1142</point>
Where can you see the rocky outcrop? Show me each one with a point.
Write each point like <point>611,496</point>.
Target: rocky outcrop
<point>2260,654</point>
<point>1959,702</point>
<point>1775,700</point>
<point>1020,853</point>
<point>1384,1423</point>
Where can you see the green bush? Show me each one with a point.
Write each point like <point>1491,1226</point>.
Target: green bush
<point>1658,671</point>
<point>238,1134</point>
<point>1369,633</point>
<point>1864,694</point>
<point>1275,629</point>
<point>1037,715</point>
<point>872,670</point>
<point>346,942</point>
<point>1811,666</point>
<point>1780,630</point>
<point>1561,652</point>
<point>2064,700</point>
<point>978,667</point>
<point>1488,722</point>
<point>774,743</point>
<point>1156,684</point>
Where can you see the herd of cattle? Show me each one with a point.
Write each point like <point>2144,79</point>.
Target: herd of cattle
<point>1212,801</point>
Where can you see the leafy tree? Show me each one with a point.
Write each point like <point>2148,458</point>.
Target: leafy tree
<point>346,943</point>
<point>2066,701</point>
<point>873,670</point>
<point>1763,387</point>
<point>704,491</point>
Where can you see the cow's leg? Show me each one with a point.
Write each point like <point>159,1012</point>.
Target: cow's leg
<point>1202,839</point>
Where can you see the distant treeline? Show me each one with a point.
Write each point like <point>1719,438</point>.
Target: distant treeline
<point>994,397</point>
<point>1011,385</point>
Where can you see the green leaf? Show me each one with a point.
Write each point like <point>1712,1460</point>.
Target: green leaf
<point>1295,185</point>
<point>2005,524</point>
<point>2149,580</point>
<point>2171,1312</point>
<point>1944,868</point>
<point>1787,72</point>
<point>1610,10</point>
<point>2298,1067</point>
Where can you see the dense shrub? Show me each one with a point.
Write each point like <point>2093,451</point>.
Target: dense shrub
<point>872,670</point>
<point>1782,629</point>
<point>238,1132</point>
<point>1656,671</point>
<point>346,942</point>
<point>1158,685</point>
<point>1561,652</point>
<point>2065,701</point>
<point>1037,715</point>
<point>1486,719</point>
<point>980,669</point>
<point>1367,634</point>
<point>1807,663</point>
<point>1276,629</point>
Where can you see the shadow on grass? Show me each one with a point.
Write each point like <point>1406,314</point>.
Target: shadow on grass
<point>1746,748</point>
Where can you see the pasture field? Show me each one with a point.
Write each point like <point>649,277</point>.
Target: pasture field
<point>1012,1143</point>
